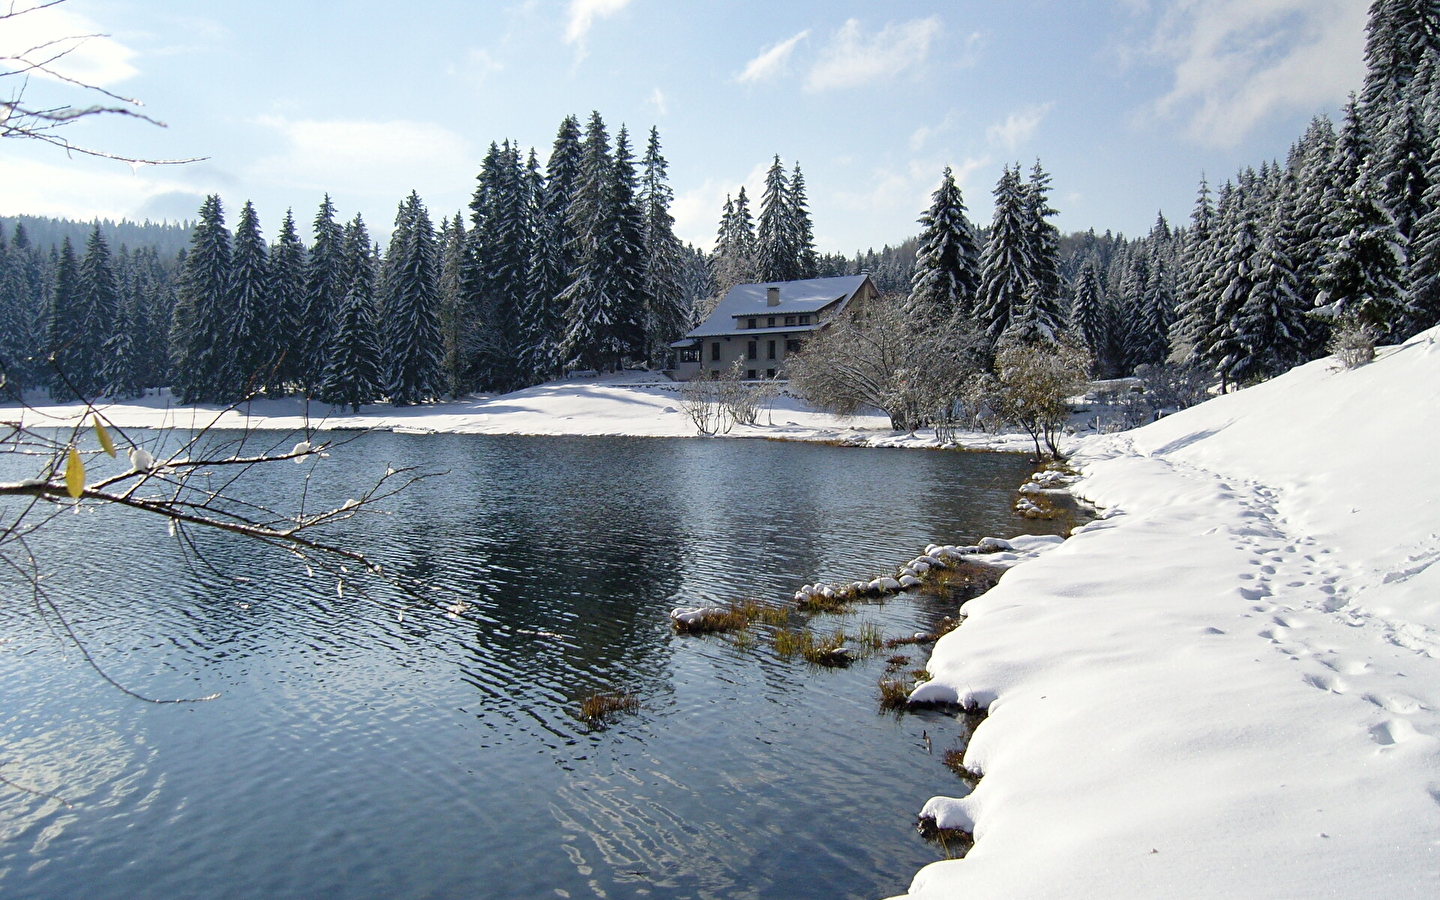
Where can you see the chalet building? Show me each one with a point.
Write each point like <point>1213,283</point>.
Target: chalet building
<point>762,324</point>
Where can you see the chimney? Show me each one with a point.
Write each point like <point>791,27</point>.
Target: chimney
<point>772,296</point>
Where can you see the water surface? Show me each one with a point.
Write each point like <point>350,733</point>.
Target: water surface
<point>354,755</point>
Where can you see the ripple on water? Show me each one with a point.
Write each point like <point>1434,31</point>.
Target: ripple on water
<point>354,754</point>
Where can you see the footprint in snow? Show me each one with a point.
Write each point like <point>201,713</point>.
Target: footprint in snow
<point>1332,683</point>
<point>1393,731</point>
<point>1396,703</point>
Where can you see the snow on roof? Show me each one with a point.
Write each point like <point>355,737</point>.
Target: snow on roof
<point>796,297</point>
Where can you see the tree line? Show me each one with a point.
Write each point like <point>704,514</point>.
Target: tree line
<point>573,266</point>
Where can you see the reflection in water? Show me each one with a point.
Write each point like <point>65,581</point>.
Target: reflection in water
<point>356,755</point>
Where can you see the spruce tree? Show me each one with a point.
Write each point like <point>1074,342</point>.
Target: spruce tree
<point>412,308</point>
<point>1361,276</point>
<point>947,260</point>
<point>1005,263</point>
<point>288,305</point>
<point>353,372</point>
<point>775,251</point>
<point>1399,35</point>
<point>1044,309</point>
<point>1232,283</point>
<point>667,308</point>
<point>1195,308</point>
<point>1272,322</point>
<point>1088,317</point>
<point>499,259</point>
<point>250,361</point>
<point>553,257</point>
<point>605,300</point>
<point>453,249</point>
<point>325,288</point>
<point>801,229</point>
<point>61,331</point>
<point>96,329</point>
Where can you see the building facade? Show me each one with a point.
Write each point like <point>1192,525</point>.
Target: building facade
<point>761,325</point>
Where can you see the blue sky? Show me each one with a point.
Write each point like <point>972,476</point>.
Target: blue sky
<point>1125,102</point>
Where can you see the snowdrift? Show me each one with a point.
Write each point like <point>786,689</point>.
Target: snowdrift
<point>1229,685</point>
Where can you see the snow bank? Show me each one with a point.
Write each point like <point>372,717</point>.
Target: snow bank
<point>633,404</point>
<point>1229,685</point>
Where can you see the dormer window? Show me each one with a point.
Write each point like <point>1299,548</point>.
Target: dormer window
<point>749,323</point>
<point>789,320</point>
<point>770,322</point>
<point>804,320</point>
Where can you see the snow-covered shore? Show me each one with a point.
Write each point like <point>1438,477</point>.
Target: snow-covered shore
<point>1229,685</point>
<point>633,404</point>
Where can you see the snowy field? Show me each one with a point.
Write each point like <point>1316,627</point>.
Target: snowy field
<point>639,404</point>
<point>1229,685</point>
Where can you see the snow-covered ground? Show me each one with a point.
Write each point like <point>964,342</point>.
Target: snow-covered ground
<point>1229,685</point>
<point>639,404</point>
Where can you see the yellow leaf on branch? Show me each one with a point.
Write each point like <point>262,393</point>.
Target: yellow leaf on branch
<point>74,474</point>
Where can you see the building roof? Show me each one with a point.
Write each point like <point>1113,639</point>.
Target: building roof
<point>796,297</point>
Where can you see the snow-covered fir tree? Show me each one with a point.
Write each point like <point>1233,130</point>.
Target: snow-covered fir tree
<point>200,333</point>
<point>667,307</point>
<point>251,353</point>
<point>325,288</point>
<point>947,260</point>
<point>552,258</point>
<point>354,372</point>
<point>605,311</point>
<point>411,310</point>
<point>776,256</point>
<point>801,228</point>
<point>287,308</point>
<point>1005,262</point>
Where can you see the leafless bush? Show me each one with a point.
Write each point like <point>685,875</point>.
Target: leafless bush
<point>873,356</point>
<point>700,401</point>
<point>1352,343</point>
<point>1031,384</point>
<point>1173,386</point>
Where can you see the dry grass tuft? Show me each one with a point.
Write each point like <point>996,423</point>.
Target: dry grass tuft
<point>598,708</point>
<point>735,617</point>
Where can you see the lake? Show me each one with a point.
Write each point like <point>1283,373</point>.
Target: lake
<point>356,754</point>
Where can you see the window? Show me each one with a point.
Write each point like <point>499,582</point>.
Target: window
<point>769,373</point>
<point>752,351</point>
<point>770,322</point>
<point>789,320</point>
<point>749,323</point>
<point>771,351</point>
<point>792,346</point>
<point>750,374</point>
<point>804,320</point>
<point>715,352</point>
<point>689,354</point>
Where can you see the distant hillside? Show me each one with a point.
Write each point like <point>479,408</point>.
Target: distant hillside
<point>168,238</point>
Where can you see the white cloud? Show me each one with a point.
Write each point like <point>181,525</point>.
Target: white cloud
<point>658,103</point>
<point>1238,61</point>
<point>85,189</point>
<point>853,58</point>
<point>365,157</point>
<point>907,188</point>
<point>772,61</point>
<point>476,68</point>
<point>583,14</point>
<point>1018,127</point>
<point>84,54</point>
<point>697,211</point>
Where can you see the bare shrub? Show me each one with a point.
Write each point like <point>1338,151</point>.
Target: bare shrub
<point>1031,384</point>
<point>874,356</point>
<point>1352,343</point>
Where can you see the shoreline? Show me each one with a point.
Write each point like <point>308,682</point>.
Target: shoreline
<point>1229,682</point>
<point>613,406</point>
